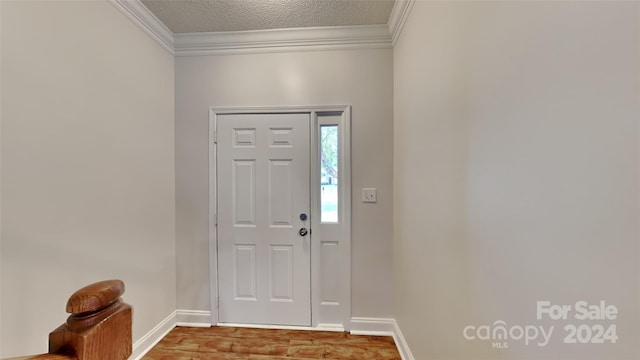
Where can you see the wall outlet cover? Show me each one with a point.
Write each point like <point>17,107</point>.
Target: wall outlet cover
<point>369,195</point>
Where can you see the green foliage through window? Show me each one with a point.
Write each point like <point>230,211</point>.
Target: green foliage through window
<point>329,173</point>
<point>329,153</point>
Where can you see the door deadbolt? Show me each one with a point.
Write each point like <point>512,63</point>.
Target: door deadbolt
<point>303,216</point>
<point>303,231</point>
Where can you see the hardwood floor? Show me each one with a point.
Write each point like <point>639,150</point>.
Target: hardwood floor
<point>184,343</point>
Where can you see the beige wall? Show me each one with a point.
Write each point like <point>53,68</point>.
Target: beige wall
<point>515,172</point>
<point>87,166</point>
<point>361,78</point>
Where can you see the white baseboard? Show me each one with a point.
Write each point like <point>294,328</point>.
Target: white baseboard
<point>320,327</point>
<point>401,343</point>
<point>372,326</point>
<point>193,318</point>
<point>148,341</point>
<point>329,327</point>
<point>382,327</point>
<point>198,318</point>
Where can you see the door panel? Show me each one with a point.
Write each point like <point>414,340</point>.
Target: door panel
<point>244,271</point>
<point>263,186</point>
<point>280,185</point>
<point>243,190</point>
<point>281,280</point>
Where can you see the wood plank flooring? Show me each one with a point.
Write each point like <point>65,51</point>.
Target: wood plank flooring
<point>218,342</point>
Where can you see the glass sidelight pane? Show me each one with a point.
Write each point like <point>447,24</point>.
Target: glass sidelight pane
<point>329,173</point>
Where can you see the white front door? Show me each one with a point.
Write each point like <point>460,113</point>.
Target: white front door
<point>264,268</point>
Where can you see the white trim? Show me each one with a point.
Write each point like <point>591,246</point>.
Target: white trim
<point>345,169</point>
<point>399,15</point>
<point>221,110</point>
<point>213,216</point>
<point>282,40</point>
<point>329,327</point>
<point>325,327</point>
<point>372,326</point>
<point>401,343</point>
<point>146,21</point>
<point>1,57</point>
<point>193,318</point>
<point>150,339</point>
<point>382,327</point>
<point>271,40</point>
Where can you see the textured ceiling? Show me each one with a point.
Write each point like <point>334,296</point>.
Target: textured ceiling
<point>186,16</point>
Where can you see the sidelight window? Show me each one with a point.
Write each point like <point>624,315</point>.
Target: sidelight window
<point>329,173</point>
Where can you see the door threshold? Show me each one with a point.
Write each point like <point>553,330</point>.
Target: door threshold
<point>320,327</point>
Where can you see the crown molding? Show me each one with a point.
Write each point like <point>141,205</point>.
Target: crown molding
<point>146,21</point>
<point>266,41</point>
<point>282,40</point>
<point>399,15</point>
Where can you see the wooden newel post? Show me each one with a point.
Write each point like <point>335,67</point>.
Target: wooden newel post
<point>99,327</point>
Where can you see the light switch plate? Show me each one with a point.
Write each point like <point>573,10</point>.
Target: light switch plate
<point>369,195</point>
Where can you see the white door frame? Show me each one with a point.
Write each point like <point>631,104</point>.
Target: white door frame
<point>334,311</point>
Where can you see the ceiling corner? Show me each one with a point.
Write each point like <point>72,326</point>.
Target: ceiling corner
<point>399,14</point>
<point>135,11</point>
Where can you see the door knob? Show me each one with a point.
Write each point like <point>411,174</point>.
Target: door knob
<point>303,231</point>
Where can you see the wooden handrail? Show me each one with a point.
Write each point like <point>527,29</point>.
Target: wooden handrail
<point>99,327</point>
